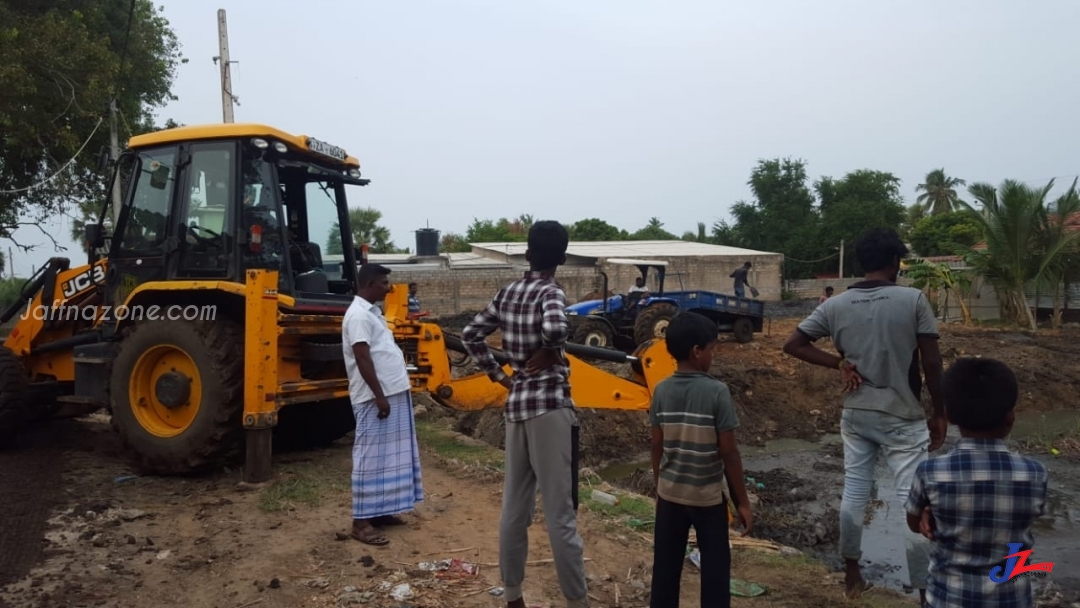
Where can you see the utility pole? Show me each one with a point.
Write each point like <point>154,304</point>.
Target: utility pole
<point>227,98</point>
<point>841,258</point>
<point>114,153</point>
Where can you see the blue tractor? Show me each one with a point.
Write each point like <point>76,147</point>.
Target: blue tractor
<point>627,321</point>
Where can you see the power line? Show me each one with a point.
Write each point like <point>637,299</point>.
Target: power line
<point>829,257</point>
<point>61,170</point>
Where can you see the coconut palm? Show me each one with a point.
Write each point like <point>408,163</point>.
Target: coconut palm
<point>1021,247</point>
<point>939,192</point>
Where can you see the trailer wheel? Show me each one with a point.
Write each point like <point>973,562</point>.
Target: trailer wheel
<point>178,393</point>
<point>594,333</point>
<point>13,392</point>
<point>743,330</point>
<point>653,321</point>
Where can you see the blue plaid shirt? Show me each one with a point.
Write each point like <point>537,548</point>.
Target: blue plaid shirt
<point>982,497</point>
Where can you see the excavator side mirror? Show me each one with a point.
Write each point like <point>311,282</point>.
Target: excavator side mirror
<point>95,235</point>
<point>159,176</point>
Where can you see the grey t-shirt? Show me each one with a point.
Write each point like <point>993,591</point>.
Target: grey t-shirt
<point>876,325</point>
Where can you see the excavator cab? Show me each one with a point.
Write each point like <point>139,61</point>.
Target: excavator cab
<point>206,319</point>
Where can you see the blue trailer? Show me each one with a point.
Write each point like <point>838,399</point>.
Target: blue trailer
<point>627,321</point>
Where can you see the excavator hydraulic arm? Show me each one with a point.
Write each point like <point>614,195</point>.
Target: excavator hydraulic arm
<point>427,351</point>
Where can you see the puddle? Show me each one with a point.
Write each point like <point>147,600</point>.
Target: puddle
<point>808,509</point>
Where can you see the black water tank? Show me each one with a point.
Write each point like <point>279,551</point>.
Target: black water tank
<point>427,242</point>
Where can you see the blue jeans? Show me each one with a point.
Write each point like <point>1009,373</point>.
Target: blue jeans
<point>740,292</point>
<point>904,443</point>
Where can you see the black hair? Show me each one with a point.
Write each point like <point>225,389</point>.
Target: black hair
<point>878,248</point>
<point>548,241</point>
<point>979,393</point>
<point>413,284</point>
<point>687,330</point>
<point>747,265</point>
<point>369,273</point>
<point>829,288</point>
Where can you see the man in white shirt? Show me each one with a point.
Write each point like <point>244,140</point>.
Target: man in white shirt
<point>386,458</point>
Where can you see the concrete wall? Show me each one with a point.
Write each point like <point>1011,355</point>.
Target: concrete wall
<point>812,288</point>
<point>454,290</point>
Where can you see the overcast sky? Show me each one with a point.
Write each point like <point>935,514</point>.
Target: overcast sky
<point>628,110</point>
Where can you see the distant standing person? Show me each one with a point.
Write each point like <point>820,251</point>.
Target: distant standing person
<point>414,302</point>
<point>881,330</point>
<point>740,276</point>
<point>828,294</point>
<point>541,420</point>
<point>386,458</point>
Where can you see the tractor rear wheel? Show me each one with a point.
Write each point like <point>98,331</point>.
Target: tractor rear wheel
<point>307,426</point>
<point>177,391</point>
<point>743,330</point>
<point>13,396</point>
<point>596,333</point>
<point>653,321</point>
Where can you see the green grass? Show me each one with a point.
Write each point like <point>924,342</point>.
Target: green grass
<point>1064,442</point>
<point>446,445</point>
<point>303,485</point>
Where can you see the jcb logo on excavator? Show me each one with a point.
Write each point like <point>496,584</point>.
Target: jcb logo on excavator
<point>83,281</point>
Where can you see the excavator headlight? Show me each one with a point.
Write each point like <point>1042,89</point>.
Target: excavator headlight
<point>260,143</point>
<point>354,173</point>
<point>280,147</point>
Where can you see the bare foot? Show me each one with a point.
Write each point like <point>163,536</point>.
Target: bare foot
<point>854,585</point>
<point>518,603</point>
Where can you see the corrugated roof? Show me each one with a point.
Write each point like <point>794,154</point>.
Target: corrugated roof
<point>631,249</point>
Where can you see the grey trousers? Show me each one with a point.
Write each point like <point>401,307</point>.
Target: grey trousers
<point>539,454</point>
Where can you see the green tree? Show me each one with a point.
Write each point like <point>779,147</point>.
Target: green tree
<point>941,278</point>
<point>60,62</point>
<point>595,229</point>
<point>365,230</point>
<point>912,214</point>
<point>454,243</point>
<point>653,231</point>
<point>939,192</point>
<point>950,233</point>
<point>1022,247</point>
<point>862,199</point>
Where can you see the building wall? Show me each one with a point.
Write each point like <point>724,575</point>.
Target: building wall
<point>461,289</point>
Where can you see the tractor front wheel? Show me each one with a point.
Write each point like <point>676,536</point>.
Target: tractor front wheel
<point>13,396</point>
<point>594,333</point>
<point>177,391</point>
<point>653,321</point>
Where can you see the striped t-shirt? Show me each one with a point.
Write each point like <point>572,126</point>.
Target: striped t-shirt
<point>692,409</point>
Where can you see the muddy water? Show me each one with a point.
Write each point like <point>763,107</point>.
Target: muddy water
<point>814,470</point>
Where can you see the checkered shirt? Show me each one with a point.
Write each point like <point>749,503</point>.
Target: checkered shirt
<point>982,497</point>
<point>531,313</point>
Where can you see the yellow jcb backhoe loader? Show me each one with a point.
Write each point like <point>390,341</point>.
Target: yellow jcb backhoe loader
<point>206,322</point>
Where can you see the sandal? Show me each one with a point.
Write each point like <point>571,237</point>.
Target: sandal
<point>370,536</point>
<point>857,593</point>
<point>388,520</point>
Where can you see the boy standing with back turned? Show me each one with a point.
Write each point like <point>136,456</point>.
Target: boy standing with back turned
<point>541,422</point>
<point>693,447</point>
<point>978,502</point>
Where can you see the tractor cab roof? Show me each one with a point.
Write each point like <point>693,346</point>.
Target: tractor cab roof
<point>327,153</point>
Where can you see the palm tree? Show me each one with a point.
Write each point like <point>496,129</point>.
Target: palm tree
<point>939,192</point>
<point>1024,243</point>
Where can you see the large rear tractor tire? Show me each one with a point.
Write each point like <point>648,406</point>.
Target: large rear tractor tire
<point>743,330</point>
<point>653,321</point>
<point>177,389</point>
<point>596,333</point>
<point>13,397</point>
<point>309,426</point>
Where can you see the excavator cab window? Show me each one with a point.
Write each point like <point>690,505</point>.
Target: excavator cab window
<point>146,223</point>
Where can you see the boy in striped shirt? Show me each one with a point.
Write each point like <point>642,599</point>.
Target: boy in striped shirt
<point>693,447</point>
